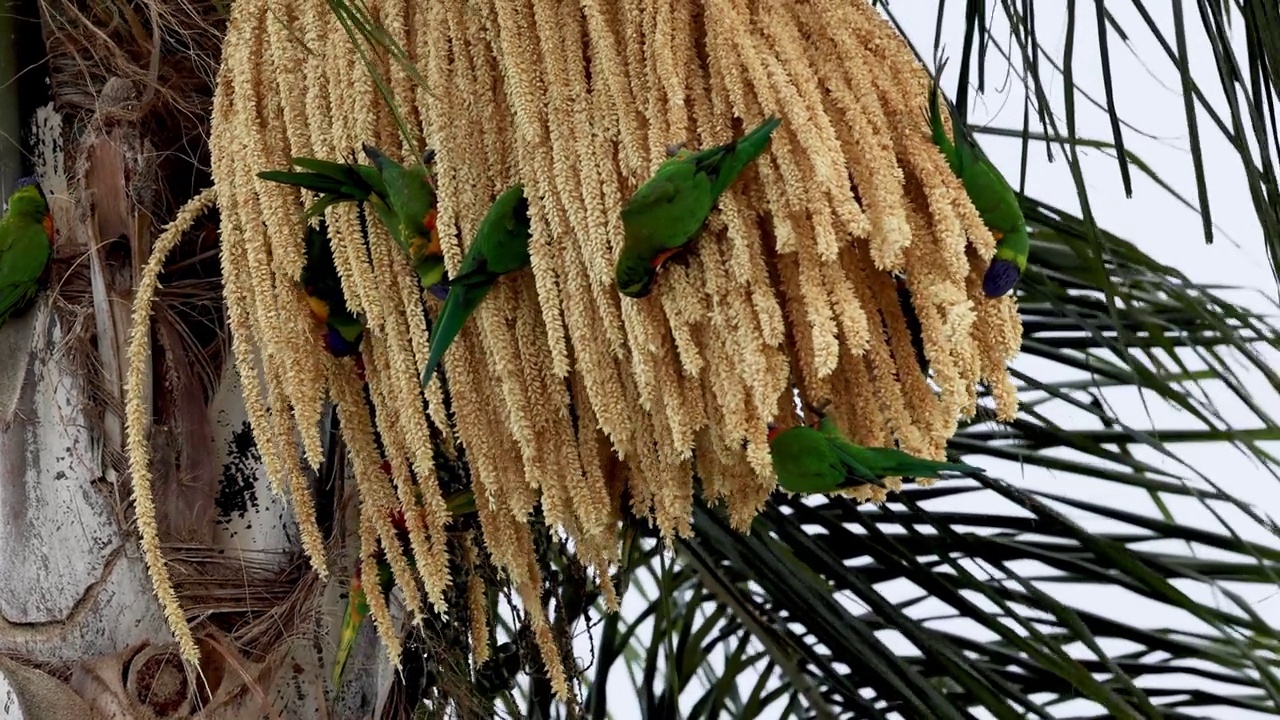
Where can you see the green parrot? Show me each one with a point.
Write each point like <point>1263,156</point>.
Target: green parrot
<point>993,198</point>
<point>871,464</point>
<point>806,462</point>
<point>343,330</point>
<point>821,459</point>
<point>460,503</point>
<point>404,199</point>
<point>26,246</point>
<point>501,246</point>
<point>668,212</point>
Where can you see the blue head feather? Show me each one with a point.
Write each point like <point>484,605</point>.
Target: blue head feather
<point>339,346</point>
<point>440,290</point>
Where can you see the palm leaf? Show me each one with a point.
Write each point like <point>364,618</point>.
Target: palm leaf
<point>951,599</point>
<point>955,601</point>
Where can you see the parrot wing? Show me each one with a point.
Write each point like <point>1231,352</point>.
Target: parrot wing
<point>25,251</point>
<point>804,461</point>
<point>855,472</point>
<point>501,246</point>
<point>668,210</point>
<point>993,198</point>
<point>886,462</point>
<point>502,240</point>
<point>725,163</point>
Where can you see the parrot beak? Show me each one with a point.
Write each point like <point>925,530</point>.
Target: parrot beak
<point>773,431</point>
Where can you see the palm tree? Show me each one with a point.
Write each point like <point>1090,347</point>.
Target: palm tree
<point>970,598</point>
<point>990,595</point>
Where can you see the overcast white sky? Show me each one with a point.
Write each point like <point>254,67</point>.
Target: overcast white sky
<point>1149,97</point>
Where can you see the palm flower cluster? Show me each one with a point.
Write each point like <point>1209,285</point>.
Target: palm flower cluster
<point>562,391</point>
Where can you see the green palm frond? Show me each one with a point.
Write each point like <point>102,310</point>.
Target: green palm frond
<point>968,594</point>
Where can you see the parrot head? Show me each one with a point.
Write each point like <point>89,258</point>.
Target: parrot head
<point>339,346</point>
<point>634,276</point>
<point>27,199</point>
<point>1000,277</point>
<point>440,290</point>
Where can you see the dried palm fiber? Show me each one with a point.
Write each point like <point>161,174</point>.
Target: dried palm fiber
<point>577,100</point>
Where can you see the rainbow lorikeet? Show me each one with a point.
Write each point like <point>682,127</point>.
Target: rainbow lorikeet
<point>403,198</point>
<point>501,246</point>
<point>993,198</point>
<point>343,329</point>
<point>460,503</point>
<point>669,210</point>
<point>26,247</point>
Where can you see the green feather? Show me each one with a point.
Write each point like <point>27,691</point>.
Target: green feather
<point>404,200</point>
<point>26,246</point>
<point>668,212</point>
<point>872,464</point>
<point>805,462</point>
<point>501,246</point>
<point>411,195</point>
<point>459,503</point>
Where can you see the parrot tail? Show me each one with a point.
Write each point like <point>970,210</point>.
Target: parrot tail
<point>380,160</point>
<point>458,305</point>
<point>741,152</point>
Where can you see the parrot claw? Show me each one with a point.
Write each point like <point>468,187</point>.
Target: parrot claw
<point>428,156</point>
<point>674,149</point>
